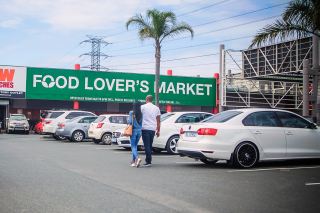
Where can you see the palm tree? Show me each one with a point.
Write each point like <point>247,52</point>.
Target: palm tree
<point>158,25</point>
<point>301,18</point>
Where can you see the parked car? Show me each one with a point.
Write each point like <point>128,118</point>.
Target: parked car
<point>102,128</point>
<point>246,136</point>
<point>54,118</point>
<point>75,129</point>
<point>170,126</point>
<point>124,141</point>
<point>17,122</point>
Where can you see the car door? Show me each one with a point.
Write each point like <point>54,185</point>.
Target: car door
<point>85,123</point>
<point>264,126</point>
<point>302,140</point>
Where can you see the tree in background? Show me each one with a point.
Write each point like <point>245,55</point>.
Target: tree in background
<point>158,25</point>
<point>300,19</point>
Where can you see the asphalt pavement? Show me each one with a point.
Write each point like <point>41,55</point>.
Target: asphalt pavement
<point>40,174</point>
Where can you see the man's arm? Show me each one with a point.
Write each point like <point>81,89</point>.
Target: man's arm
<point>158,126</point>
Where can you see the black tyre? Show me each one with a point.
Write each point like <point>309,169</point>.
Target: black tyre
<point>96,141</point>
<point>77,136</point>
<point>172,144</point>
<point>209,161</point>
<point>106,138</point>
<point>246,155</point>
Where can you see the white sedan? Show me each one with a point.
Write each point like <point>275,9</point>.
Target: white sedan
<point>170,126</point>
<point>247,136</point>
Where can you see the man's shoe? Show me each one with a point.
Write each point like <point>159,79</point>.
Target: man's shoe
<point>138,163</point>
<point>147,165</point>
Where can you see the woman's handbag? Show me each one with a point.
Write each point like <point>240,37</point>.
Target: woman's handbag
<point>128,129</point>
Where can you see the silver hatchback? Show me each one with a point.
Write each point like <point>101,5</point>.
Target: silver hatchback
<point>75,129</point>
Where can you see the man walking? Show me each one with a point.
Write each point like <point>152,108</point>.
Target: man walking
<point>150,126</point>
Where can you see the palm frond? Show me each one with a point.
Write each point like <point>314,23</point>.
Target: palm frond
<point>298,10</point>
<point>178,29</point>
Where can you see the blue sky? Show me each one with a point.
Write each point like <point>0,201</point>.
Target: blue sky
<point>45,33</point>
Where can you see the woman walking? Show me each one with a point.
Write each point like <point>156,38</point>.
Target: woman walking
<point>135,118</point>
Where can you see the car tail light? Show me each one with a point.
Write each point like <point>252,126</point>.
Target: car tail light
<point>181,131</point>
<point>61,125</point>
<point>99,125</point>
<point>207,131</point>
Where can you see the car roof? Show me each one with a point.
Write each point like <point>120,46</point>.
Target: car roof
<point>108,115</point>
<point>249,110</point>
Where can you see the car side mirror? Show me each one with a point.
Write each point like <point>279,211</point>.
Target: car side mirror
<point>313,126</point>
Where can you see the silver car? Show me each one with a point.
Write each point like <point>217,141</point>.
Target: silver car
<point>75,129</point>
<point>17,122</point>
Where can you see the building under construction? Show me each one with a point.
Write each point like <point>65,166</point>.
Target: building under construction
<point>268,77</point>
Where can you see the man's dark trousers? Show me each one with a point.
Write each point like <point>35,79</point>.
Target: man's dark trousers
<point>147,137</point>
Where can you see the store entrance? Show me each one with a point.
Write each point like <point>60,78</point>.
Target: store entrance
<point>3,113</point>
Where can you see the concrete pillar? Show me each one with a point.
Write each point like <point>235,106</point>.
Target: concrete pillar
<point>215,110</point>
<point>306,68</point>
<point>221,76</point>
<point>76,103</point>
<point>169,106</point>
<point>315,70</point>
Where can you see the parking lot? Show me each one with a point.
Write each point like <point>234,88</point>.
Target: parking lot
<point>41,174</point>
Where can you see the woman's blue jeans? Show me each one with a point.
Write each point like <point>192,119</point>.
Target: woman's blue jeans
<point>134,140</point>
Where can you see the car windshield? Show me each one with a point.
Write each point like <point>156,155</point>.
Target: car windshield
<point>99,119</point>
<point>54,114</point>
<point>17,117</point>
<point>222,117</point>
<point>165,116</point>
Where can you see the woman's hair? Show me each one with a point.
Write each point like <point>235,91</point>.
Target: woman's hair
<point>137,111</point>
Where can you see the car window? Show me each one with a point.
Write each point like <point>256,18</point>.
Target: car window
<point>165,116</point>
<point>267,119</point>
<point>18,117</point>
<point>292,120</point>
<point>77,114</point>
<point>99,119</point>
<point>87,120</point>
<point>118,119</point>
<point>222,117</point>
<point>189,118</point>
<point>205,116</point>
<point>54,114</point>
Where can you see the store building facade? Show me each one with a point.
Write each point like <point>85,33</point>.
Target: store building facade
<point>29,90</point>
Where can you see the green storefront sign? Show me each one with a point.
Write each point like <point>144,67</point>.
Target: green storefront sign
<point>62,84</point>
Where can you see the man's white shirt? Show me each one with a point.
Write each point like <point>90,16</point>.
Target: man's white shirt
<point>149,116</point>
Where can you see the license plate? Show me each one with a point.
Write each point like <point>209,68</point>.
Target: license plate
<point>191,134</point>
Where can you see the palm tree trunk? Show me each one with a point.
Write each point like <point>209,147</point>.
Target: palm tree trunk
<point>157,74</point>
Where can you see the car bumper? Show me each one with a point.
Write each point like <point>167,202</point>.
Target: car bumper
<point>204,154</point>
<point>95,134</point>
<point>18,128</point>
<point>62,132</point>
<point>49,129</point>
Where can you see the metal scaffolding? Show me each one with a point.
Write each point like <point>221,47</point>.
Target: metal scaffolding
<point>269,77</point>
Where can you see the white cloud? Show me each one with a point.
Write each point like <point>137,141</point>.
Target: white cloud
<point>10,23</point>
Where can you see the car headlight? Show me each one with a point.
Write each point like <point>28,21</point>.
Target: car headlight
<point>117,134</point>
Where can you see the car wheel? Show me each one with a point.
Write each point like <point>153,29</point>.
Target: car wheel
<point>106,139</point>
<point>172,144</point>
<point>77,136</point>
<point>209,161</point>
<point>245,155</point>
<point>27,132</point>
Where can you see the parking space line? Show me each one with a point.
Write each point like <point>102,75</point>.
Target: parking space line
<point>274,169</point>
<point>312,184</point>
<point>191,162</point>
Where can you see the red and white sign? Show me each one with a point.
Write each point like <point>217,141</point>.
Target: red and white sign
<point>12,82</point>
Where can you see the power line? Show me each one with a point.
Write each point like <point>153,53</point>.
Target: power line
<point>203,8</point>
<point>213,21</point>
<point>168,60</point>
<point>186,47</point>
